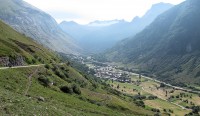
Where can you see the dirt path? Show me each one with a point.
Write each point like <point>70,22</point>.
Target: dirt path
<point>29,81</point>
<point>3,68</point>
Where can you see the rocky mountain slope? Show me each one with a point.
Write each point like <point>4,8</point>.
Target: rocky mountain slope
<point>167,49</point>
<point>100,35</point>
<point>36,24</point>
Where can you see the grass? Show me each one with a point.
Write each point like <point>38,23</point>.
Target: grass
<point>22,94</point>
<point>14,44</point>
<point>13,101</point>
<point>150,89</point>
<point>160,104</point>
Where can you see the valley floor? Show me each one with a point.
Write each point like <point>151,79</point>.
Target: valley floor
<point>172,100</point>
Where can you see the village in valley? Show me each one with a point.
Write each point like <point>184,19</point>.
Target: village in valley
<point>105,70</point>
<point>109,71</point>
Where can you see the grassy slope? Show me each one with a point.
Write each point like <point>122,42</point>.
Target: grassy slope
<point>15,82</point>
<point>14,44</point>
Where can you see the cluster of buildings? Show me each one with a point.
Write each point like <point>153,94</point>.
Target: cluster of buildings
<point>104,70</point>
<point>110,72</point>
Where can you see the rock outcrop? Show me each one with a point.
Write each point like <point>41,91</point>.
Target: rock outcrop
<point>8,61</point>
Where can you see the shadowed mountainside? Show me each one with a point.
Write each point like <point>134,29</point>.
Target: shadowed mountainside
<point>168,48</point>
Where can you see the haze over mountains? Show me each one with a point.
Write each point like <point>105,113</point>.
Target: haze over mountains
<point>98,36</point>
<point>168,48</point>
<point>36,24</point>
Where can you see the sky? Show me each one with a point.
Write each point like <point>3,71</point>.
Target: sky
<point>85,11</point>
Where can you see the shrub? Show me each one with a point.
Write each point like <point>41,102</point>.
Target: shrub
<point>47,66</point>
<point>155,110</point>
<point>140,97</point>
<point>67,89</point>
<point>62,68</point>
<point>151,97</point>
<point>46,81</point>
<point>33,61</point>
<point>76,89</point>
<point>140,103</point>
<point>58,73</point>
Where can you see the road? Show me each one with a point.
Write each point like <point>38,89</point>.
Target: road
<point>169,85</point>
<point>3,68</point>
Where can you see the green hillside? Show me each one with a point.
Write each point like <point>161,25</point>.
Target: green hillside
<point>168,49</point>
<point>15,45</point>
<point>55,88</point>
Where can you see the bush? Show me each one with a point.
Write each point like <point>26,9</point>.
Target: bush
<point>47,66</point>
<point>139,97</point>
<point>58,73</point>
<point>140,103</point>
<point>46,81</point>
<point>67,89</point>
<point>151,97</point>
<point>76,89</point>
<point>33,61</point>
<point>155,110</point>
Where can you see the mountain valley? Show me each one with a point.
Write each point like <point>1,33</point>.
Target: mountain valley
<point>147,67</point>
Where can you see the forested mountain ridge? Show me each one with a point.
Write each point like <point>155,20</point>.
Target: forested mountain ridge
<point>168,48</point>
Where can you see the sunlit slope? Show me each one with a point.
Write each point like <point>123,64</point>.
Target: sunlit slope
<point>15,45</point>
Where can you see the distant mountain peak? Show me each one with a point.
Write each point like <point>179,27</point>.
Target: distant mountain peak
<point>104,23</point>
<point>69,23</point>
<point>161,4</point>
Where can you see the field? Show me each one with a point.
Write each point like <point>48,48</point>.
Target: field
<point>168,101</point>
